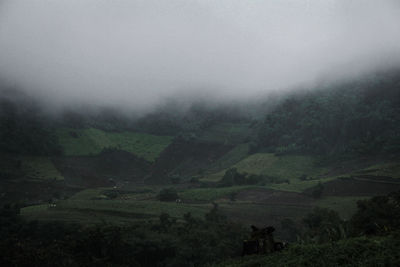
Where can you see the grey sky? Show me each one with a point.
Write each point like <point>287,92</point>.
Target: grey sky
<point>137,52</point>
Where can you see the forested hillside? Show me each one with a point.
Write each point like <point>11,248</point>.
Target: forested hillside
<point>358,117</point>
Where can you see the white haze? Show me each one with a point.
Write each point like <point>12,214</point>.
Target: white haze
<point>135,53</point>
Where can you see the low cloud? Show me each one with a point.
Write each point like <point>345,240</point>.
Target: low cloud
<point>135,53</point>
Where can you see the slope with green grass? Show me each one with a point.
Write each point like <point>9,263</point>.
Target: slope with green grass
<point>90,141</point>
<point>288,167</point>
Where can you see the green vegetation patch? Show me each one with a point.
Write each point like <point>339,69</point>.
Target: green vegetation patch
<point>290,167</point>
<point>40,168</point>
<point>81,142</point>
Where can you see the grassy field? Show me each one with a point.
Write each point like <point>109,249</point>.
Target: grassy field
<point>92,141</point>
<point>40,168</point>
<point>284,167</point>
<point>90,206</point>
<point>93,206</point>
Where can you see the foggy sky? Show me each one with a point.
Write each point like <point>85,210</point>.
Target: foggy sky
<point>135,53</point>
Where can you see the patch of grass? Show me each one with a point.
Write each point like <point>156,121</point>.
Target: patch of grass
<point>289,167</point>
<point>292,167</point>
<point>41,168</point>
<point>391,169</point>
<point>80,142</point>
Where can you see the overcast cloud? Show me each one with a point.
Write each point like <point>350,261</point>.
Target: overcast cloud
<point>137,52</point>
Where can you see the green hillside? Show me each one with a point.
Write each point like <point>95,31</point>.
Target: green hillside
<point>290,167</point>
<point>90,141</point>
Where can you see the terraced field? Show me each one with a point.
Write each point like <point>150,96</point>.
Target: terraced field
<point>92,141</point>
<point>283,167</point>
<point>266,204</point>
<point>244,204</point>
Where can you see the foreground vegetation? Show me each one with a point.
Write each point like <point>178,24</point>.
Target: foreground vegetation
<point>360,251</point>
<point>190,241</point>
<point>369,238</point>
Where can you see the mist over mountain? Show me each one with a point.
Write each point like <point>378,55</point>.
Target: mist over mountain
<point>135,54</point>
<point>199,133</point>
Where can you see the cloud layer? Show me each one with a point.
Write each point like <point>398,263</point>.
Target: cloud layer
<point>137,52</point>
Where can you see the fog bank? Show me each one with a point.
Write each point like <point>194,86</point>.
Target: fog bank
<point>135,53</point>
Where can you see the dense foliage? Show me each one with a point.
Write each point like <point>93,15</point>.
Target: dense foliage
<point>361,251</point>
<point>358,117</point>
<point>190,242</point>
<point>379,215</point>
<point>327,240</point>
